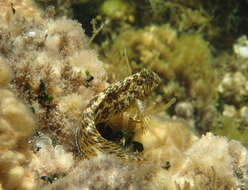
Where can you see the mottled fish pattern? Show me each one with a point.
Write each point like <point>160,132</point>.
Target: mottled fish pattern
<point>115,99</point>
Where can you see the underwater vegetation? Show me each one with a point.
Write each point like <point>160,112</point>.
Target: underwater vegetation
<point>220,22</point>
<point>50,70</point>
<point>231,127</point>
<point>16,124</point>
<point>232,99</point>
<point>183,62</point>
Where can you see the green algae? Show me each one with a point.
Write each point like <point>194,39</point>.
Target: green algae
<point>184,62</point>
<point>116,9</point>
<point>220,22</point>
<point>231,127</point>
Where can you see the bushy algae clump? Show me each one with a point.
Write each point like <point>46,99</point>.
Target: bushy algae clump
<point>233,127</point>
<point>16,124</point>
<point>220,22</point>
<point>183,61</point>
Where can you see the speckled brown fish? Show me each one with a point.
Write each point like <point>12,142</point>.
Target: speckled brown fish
<point>115,99</point>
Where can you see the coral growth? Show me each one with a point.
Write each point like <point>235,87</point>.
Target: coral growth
<point>210,162</point>
<point>160,134</point>
<point>106,172</point>
<point>50,159</point>
<point>17,123</point>
<point>54,72</point>
<point>227,159</point>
